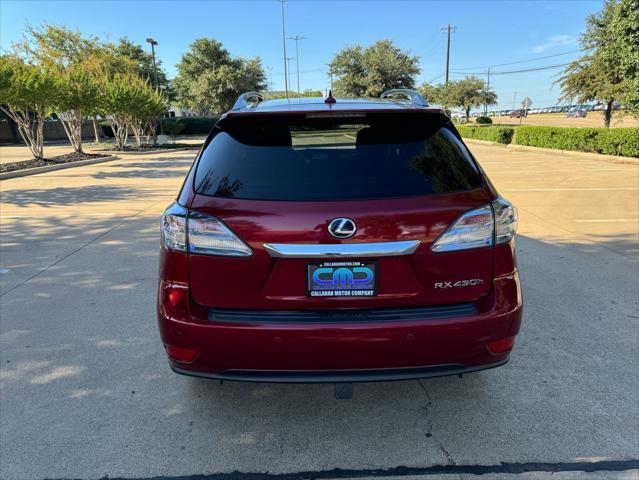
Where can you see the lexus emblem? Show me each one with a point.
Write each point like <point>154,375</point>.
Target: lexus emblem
<point>342,228</point>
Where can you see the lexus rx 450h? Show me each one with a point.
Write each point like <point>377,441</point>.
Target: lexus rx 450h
<point>337,240</point>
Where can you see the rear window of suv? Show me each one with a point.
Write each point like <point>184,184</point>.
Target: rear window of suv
<point>321,157</point>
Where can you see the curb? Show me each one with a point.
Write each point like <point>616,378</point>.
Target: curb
<point>148,152</point>
<point>484,142</point>
<point>50,168</point>
<point>571,153</point>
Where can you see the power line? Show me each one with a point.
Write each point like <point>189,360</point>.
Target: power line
<point>525,61</point>
<point>509,72</point>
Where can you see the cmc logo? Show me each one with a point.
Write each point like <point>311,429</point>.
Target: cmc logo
<point>343,276</point>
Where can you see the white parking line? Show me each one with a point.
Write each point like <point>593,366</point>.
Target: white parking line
<point>607,220</point>
<point>603,189</point>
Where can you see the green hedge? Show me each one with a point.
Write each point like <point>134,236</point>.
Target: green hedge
<point>490,133</point>
<point>609,141</point>
<point>192,125</point>
<point>483,120</point>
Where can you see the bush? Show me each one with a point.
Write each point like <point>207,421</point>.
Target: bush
<point>190,125</point>
<point>107,131</point>
<point>484,121</point>
<point>173,128</point>
<point>610,141</point>
<point>490,133</point>
<point>193,125</point>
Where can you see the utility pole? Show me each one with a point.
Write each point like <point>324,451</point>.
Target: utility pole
<point>330,74</point>
<point>297,38</point>
<point>514,100</point>
<point>284,47</point>
<point>288,60</point>
<point>448,29</point>
<point>487,90</point>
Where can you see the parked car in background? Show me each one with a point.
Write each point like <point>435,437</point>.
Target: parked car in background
<point>517,114</point>
<point>577,113</point>
<point>337,241</point>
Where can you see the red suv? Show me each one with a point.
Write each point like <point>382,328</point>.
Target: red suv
<point>337,240</point>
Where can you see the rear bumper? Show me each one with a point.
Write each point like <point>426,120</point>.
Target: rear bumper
<point>349,351</point>
<point>338,376</point>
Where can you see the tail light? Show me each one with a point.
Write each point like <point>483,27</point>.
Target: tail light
<point>194,232</point>
<point>505,220</point>
<point>482,227</point>
<point>474,229</point>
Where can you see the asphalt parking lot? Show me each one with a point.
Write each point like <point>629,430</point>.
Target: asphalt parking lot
<point>86,392</point>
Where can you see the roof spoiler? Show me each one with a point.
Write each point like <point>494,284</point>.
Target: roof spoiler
<point>248,99</point>
<point>413,96</point>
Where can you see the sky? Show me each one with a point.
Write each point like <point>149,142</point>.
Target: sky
<point>505,35</point>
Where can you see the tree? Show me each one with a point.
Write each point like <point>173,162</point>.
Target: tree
<point>209,79</point>
<point>309,92</point>
<point>28,94</point>
<point>70,56</point>
<point>131,104</point>
<point>368,72</point>
<point>79,96</point>
<point>467,93</point>
<point>434,94</point>
<point>53,45</point>
<point>142,62</point>
<point>173,128</point>
<point>609,71</point>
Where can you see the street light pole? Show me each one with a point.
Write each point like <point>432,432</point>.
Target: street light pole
<point>297,38</point>
<point>288,59</point>
<point>284,47</point>
<point>153,43</point>
<point>270,77</point>
<point>155,68</point>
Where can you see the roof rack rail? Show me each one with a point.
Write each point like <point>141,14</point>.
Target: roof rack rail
<point>413,96</point>
<point>247,99</point>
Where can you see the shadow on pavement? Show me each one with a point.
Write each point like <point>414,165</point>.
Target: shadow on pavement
<point>65,196</point>
<point>80,345</point>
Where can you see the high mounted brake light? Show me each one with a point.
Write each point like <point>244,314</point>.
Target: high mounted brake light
<point>336,115</point>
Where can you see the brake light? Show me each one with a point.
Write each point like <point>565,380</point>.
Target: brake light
<point>505,220</point>
<point>473,229</point>
<point>194,232</point>
<point>209,236</point>
<point>173,227</point>
<point>494,223</point>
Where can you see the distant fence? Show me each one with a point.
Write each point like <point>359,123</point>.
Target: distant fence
<point>53,130</point>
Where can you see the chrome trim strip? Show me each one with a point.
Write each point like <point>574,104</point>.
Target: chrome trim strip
<point>341,250</point>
